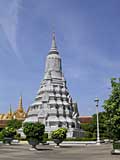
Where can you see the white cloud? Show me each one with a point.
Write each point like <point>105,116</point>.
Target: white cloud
<point>9,22</point>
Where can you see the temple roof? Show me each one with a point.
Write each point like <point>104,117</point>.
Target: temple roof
<point>18,114</point>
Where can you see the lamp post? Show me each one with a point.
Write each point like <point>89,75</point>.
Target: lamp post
<point>98,134</point>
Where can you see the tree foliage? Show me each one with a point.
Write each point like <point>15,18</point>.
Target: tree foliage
<point>14,123</point>
<point>91,128</point>
<point>9,132</point>
<point>34,130</point>
<point>59,133</point>
<point>112,108</point>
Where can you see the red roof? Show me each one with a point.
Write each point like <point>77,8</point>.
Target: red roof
<point>85,119</point>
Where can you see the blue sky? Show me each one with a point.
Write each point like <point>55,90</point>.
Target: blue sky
<point>88,38</point>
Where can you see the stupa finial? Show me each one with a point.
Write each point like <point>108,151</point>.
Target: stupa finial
<point>10,109</point>
<point>20,106</point>
<point>53,46</point>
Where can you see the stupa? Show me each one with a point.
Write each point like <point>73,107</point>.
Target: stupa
<point>53,106</point>
<point>20,114</point>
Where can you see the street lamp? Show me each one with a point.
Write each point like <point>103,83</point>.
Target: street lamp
<point>98,134</point>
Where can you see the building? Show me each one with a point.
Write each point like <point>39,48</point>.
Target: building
<point>19,114</point>
<point>85,119</point>
<point>53,106</point>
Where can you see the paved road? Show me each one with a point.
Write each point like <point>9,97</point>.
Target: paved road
<point>22,152</point>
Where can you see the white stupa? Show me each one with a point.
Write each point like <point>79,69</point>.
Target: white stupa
<point>53,106</point>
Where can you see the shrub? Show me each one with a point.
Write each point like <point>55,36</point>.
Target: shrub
<point>45,138</point>
<point>80,139</point>
<point>9,132</point>
<point>34,131</point>
<point>59,133</point>
<point>88,134</point>
<point>1,136</point>
<point>116,145</point>
<point>17,136</point>
<point>14,123</point>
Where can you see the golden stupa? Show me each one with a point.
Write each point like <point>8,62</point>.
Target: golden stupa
<point>19,114</point>
<point>8,116</point>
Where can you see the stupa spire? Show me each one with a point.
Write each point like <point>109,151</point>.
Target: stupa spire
<point>20,107</point>
<point>10,110</point>
<point>53,46</point>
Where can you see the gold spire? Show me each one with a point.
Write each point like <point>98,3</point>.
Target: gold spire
<point>9,115</point>
<point>10,110</point>
<point>19,113</point>
<point>20,106</point>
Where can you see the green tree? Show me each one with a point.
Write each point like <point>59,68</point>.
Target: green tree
<point>34,131</point>
<point>14,123</point>
<point>91,128</point>
<point>59,135</point>
<point>112,108</point>
<point>102,126</point>
<point>87,128</point>
<point>9,132</point>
